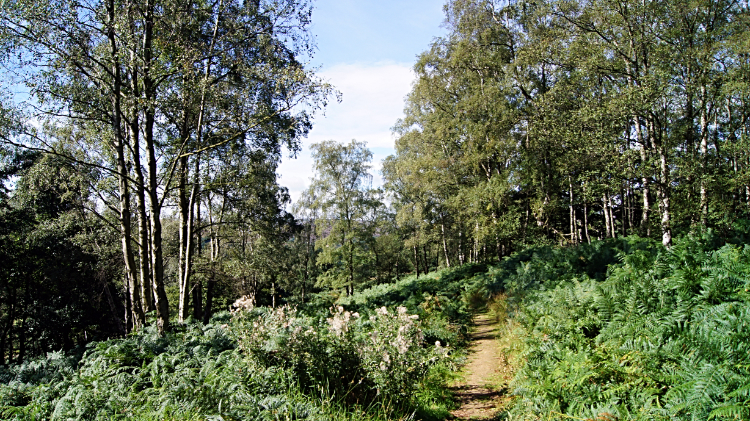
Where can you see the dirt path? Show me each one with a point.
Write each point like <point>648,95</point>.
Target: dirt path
<point>482,392</point>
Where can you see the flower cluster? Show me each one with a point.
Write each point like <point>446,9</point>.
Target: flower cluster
<point>383,355</point>
<point>393,354</point>
<point>340,322</point>
<point>276,336</point>
<point>306,346</point>
<point>244,303</point>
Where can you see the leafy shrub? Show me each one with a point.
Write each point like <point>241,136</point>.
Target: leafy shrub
<point>361,359</point>
<point>390,347</point>
<point>307,346</point>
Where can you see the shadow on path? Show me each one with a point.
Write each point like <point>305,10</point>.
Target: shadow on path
<point>479,394</point>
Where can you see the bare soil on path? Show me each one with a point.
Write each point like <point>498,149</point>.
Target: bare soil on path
<point>482,393</point>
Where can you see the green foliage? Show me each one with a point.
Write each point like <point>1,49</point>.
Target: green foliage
<point>57,270</point>
<point>562,121</point>
<point>347,212</point>
<point>192,374</point>
<point>619,329</point>
<point>441,299</point>
<point>259,364</point>
<point>146,376</point>
<point>376,360</point>
<point>285,338</point>
<point>663,336</point>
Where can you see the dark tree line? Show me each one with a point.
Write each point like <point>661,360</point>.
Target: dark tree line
<point>58,270</point>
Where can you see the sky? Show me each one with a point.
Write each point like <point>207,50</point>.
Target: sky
<point>366,49</point>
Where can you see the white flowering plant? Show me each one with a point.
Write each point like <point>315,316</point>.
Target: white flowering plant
<point>393,352</point>
<point>382,357</point>
<point>285,338</point>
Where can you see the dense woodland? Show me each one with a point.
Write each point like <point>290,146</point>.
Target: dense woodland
<point>139,142</point>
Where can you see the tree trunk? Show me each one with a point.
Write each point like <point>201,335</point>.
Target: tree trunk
<point>215,245</point>
<point>351,267</point>
<point>10,342</point>
<point>147,302</point>
<point>143,236</point>
<point>22,341</point>
<point>607,224</point>
<point>184,232</point>
<point>128,316</point>
<point>704,156</point>
<point>586,222</point>
<point>144,259</point>
<point>445,242</point>
<point>666,228</point>
<point>572,213</point>
<point>198,286</point>
<point>461,257</point>
<point>208,309</point>
<point>664,188</point>
<point>157,259</point>
<point>611,215</point>
<point>476,243</point>
<point>215,252</point>
<point>416,259</point>
<point>137,315</point>
<point>6,341</point>
<point>308,252</point>
<point>624,209</point>
<point>187,225</point>
<point>645,227</point>
<point>629,194</point>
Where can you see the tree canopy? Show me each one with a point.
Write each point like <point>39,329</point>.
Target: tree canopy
<point>148,97</point>
<point>565,121</point>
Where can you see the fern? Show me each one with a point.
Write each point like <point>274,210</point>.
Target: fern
<point>666,334</point>
<point>731,411</point>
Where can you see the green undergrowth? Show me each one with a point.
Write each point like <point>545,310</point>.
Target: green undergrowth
<point>614,330</point>
<point>444,300</point>
<point>654,334</point>
<point>377,355</point>
<point>620,329</point>
<point>195,373</point>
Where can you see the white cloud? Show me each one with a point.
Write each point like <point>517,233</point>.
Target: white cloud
<point>372,101</point>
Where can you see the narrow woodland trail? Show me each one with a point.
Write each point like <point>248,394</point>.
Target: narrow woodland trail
<point>482,392</point>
